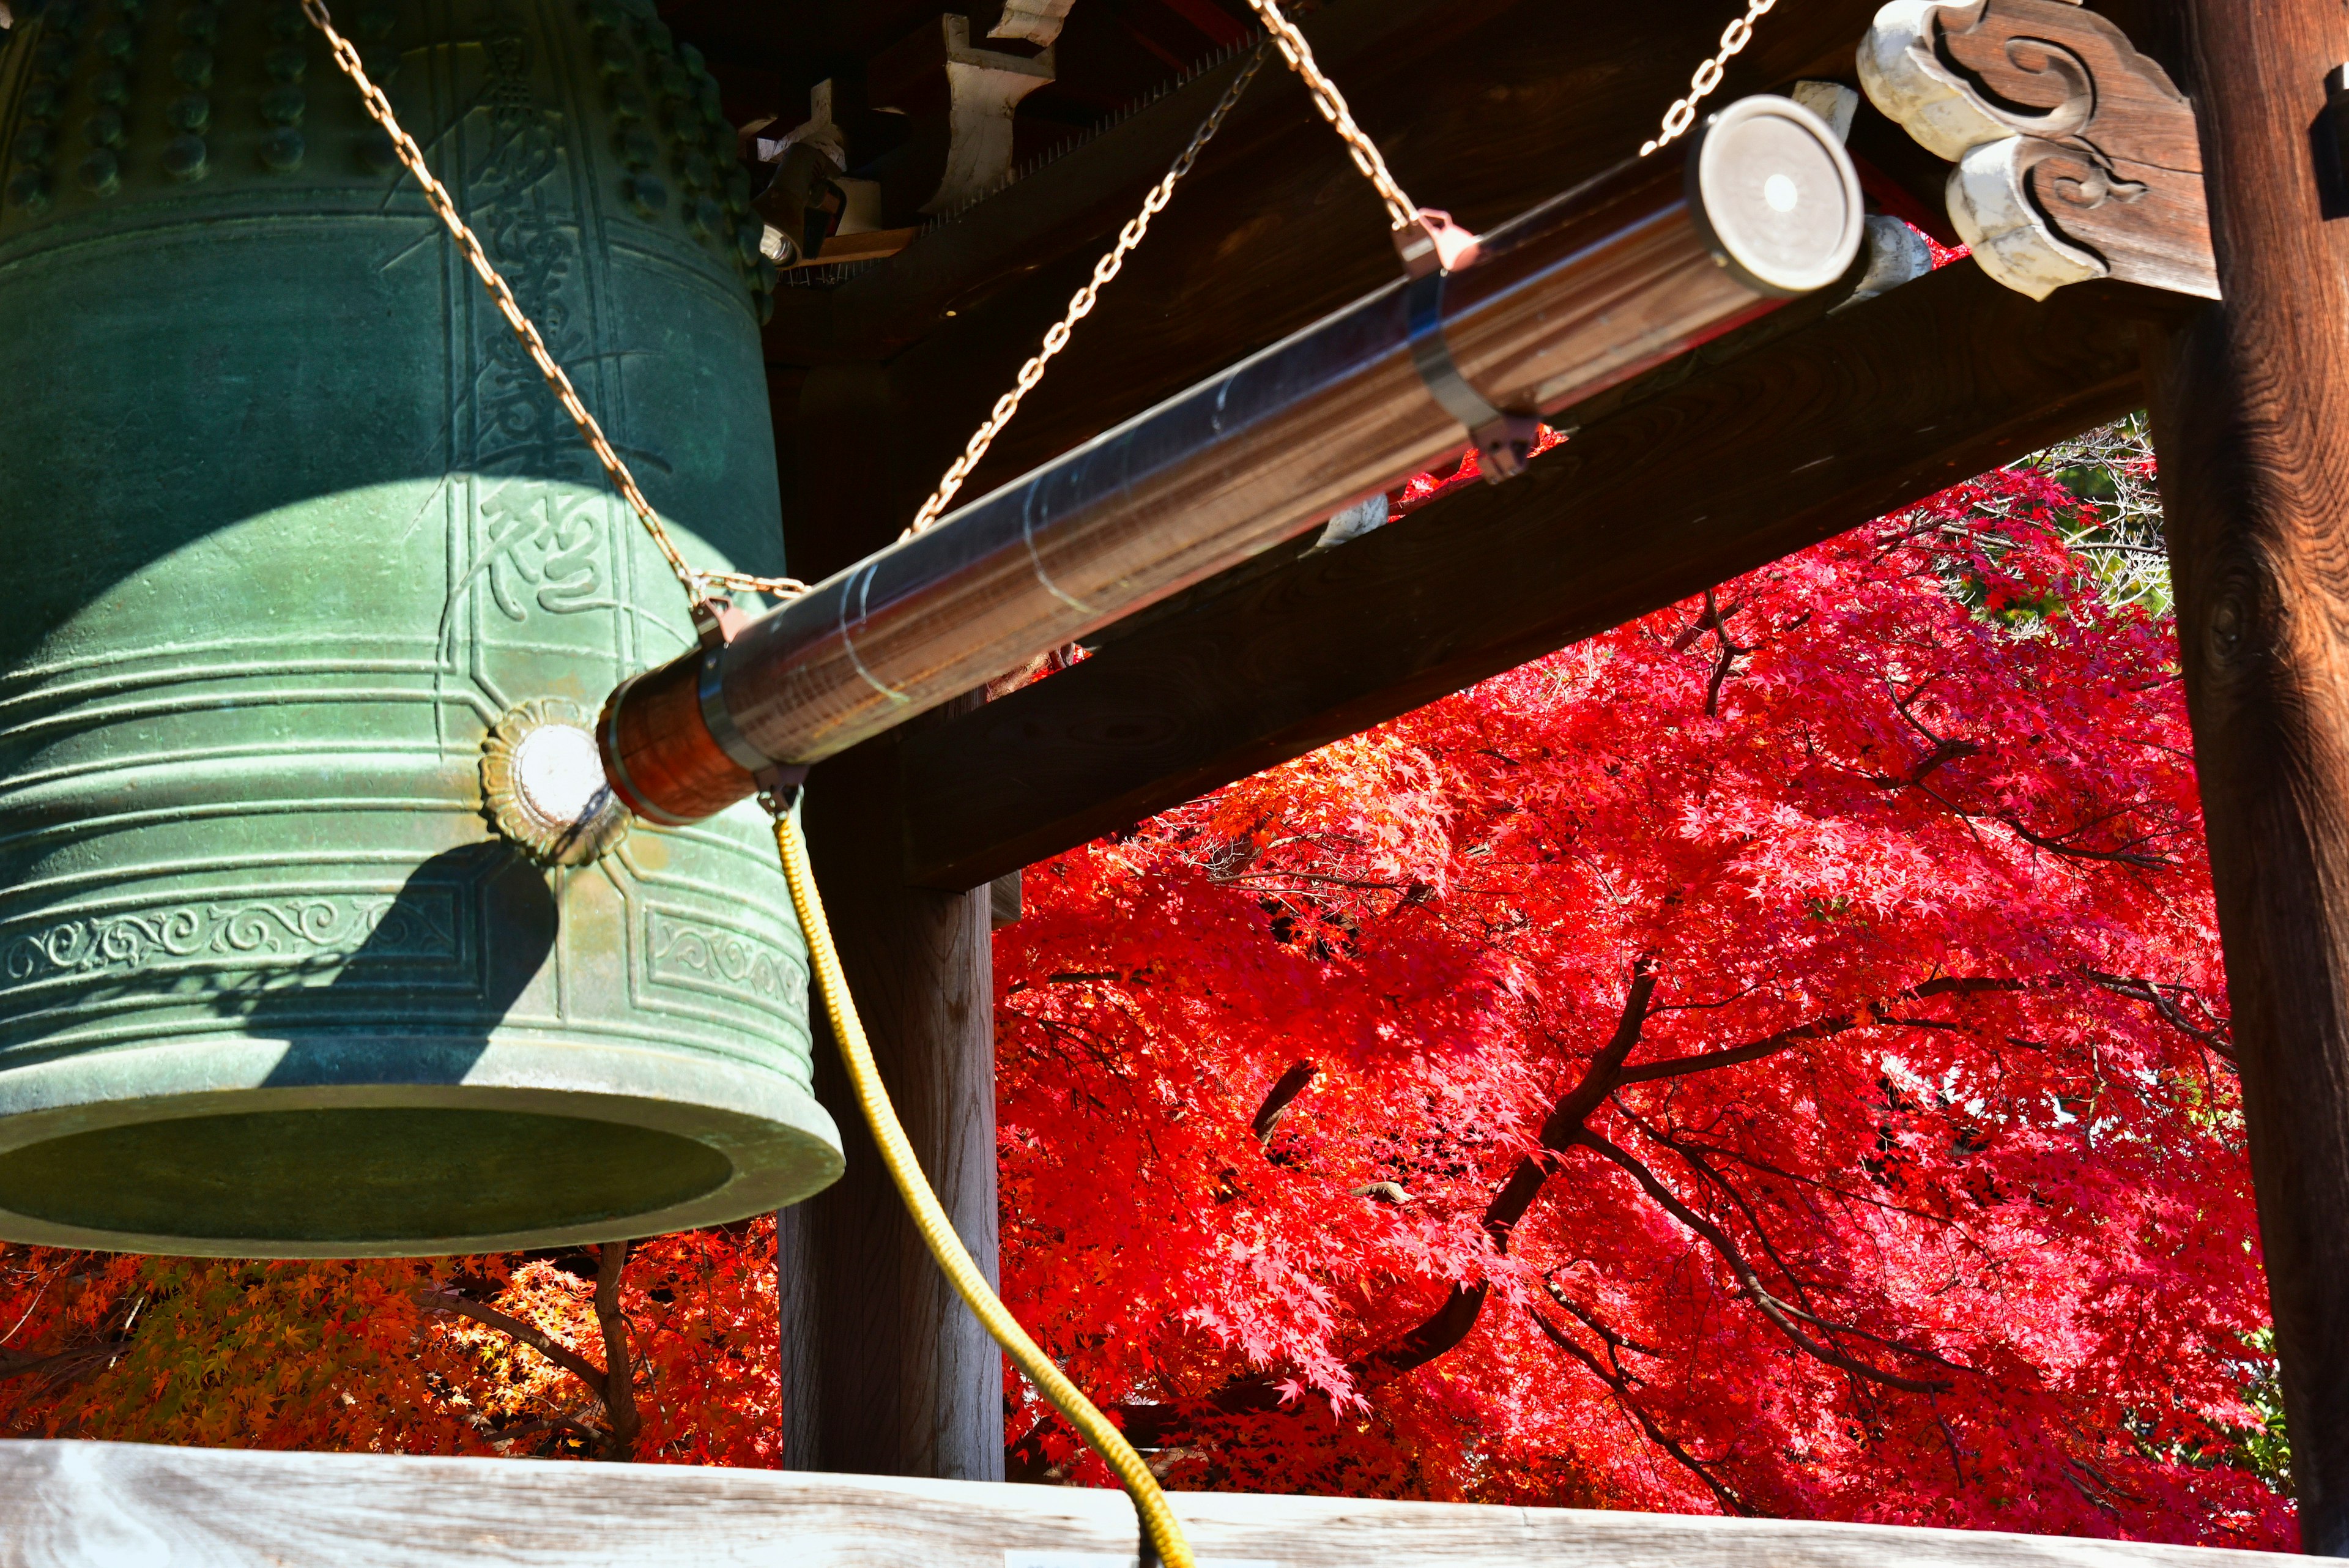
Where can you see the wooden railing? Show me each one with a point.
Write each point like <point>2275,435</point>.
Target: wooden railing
<point>115,1505</point>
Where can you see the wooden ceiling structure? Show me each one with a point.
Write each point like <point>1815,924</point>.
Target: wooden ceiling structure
<point>1483,107</point>
<point>1799,426</point>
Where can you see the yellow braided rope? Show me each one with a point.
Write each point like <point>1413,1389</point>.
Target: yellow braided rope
<point>938,1231</point>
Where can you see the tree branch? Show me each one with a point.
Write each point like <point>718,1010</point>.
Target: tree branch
<point>558,1422</point>
<point>1729,1500</point>
<point>1154,1426</point>
<point>1566,1117</point>
<point>1150,1425</point>
<point>1291,1084</point>
<point>1817,1029</point>
<point>1779,1313</point>
<point>61,1365</point>
<point>2219,1038</point>
<point>1589,1320</point>
<point>1727,662</point>
<point>2057,846</point>
<point>1705,621</point>
<point>619,1378</point>
<point>514,1328</point>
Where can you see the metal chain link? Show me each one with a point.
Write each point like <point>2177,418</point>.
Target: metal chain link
<point>1080,303</point>
<point>697,584</point>
<point>1733,39</point>
<point>1402,212</point>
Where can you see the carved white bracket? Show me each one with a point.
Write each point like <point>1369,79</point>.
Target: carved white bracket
<point>818,130</point>
<point>2078,157</point>
<point>986,86</point>
<point>1832,102</point>
<point>1038,21</point>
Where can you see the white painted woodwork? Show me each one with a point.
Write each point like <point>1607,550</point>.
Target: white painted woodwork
<point>987,86</point>
<point>107,1505</point>
<point>1832,102</point>
<point>1897,255</point>
<point>1038,21</point>
<point>1915,91</point>
<point>1363,517</point>
<point>1990,208</point>
<point>818,129</point>
<point>1988,204</point>
<point>2104,181</point>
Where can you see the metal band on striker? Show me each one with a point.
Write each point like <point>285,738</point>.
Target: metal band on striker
<point>711,689</point>
<point>1503,441</point>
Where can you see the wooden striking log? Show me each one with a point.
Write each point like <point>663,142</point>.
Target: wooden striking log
<point>2251,416</point>
<point>1580,293</point>
<point>98,1505</point>
<point>1732,466</point>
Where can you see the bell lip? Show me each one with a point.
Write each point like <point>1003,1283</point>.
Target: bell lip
<point>766,1125</point>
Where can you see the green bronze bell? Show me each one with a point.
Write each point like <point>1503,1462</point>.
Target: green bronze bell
<point>310,580</point>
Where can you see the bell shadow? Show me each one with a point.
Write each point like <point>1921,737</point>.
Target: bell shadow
<point>441,965</point>
<point>376,1002</point>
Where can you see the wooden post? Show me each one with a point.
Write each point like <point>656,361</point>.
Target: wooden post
<point>885,1372</point>
<point>2250,404</point>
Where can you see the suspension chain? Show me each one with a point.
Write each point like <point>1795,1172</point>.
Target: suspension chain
<point>1733,39</point>
<point>697,584</point>
<point>1402,210</point>
<point>1080,303</point>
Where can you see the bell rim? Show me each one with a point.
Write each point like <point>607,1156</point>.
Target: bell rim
<point>781,1145</point>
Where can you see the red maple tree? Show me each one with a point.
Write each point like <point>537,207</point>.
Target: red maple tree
<point>505,1355</point>
<point>1771,1058</point>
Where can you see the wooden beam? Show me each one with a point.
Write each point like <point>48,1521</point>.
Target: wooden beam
<point>2252,414</point>
<point>97,1505</point>
<point>1712,469</point>
<point>1483,107</point>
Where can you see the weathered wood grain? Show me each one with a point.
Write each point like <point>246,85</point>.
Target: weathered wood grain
<point>1738,463</point>
<point>2079,153</point>
<point>103,1505</point>
<point>886,1371</point>
<point>2252,415</point>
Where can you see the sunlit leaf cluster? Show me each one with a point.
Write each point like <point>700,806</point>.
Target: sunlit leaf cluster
<point>1770,1058</point>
